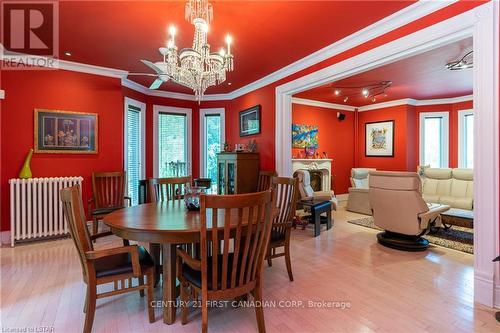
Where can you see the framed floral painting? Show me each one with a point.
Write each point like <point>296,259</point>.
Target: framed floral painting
<point>379,139</point>
<point>65,132</point>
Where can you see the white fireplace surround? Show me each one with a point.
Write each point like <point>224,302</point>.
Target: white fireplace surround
<point>318,164</point>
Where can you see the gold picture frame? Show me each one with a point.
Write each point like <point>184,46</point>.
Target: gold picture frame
<point>65,132</point>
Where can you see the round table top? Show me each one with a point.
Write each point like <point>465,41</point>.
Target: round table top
<point>163,222</point>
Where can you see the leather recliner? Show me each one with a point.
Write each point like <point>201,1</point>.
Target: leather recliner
<point>306,191</point>
<point>399,209</point>
<point>358,192</point>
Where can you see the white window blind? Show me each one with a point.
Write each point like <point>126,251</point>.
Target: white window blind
<point>134,152</point>
<point>466,139</point>
<point>212,146</point>
<point>172,145</point>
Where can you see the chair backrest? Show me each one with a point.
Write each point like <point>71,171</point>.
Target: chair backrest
<point>305,188</point>
<point>75,216</point>
<point>168,189</point>
<point>264,182</point>
<point>242,222</point>
<point>286,194</point>
<point>360,176</point>
<point>396,200</point>
<point>108,189</point>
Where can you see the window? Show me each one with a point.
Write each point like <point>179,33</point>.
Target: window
<point>134,146</point>
<point>466,139</point>
<point>211,142</point>
<point>172,146</point>
<point>434,139</point>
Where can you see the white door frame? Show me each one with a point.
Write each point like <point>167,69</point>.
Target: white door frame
<point>481,23</point>
<point>203,113</point>
<point>157,109</point>
<point>142,106</point>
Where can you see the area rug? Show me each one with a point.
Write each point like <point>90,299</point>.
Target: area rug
<point>456,238</point>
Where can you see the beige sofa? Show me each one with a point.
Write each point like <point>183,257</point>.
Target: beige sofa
<point>453,187</point>
<point>358,192</point>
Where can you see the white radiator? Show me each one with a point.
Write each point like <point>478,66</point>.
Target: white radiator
<point>35,208</point>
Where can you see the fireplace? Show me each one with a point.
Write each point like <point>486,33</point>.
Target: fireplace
<point>320,170</point>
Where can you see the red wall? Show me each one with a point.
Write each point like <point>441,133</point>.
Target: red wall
<point>335,137</point>
<point>59,90</point>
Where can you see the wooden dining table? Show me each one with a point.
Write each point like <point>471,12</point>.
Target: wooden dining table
<point>166,223</point>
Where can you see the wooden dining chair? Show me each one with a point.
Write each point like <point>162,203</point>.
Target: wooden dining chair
<point>286,195</point>
<point>168,189</point>
<point>108,190</point>
<point>161,190</point>
<point>264,182</point>
<point>113,265</point>
<point>234,234</point>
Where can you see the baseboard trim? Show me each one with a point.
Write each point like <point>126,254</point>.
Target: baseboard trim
<point>497,297</point>
<point>484,291</point>
<point>5,237</point>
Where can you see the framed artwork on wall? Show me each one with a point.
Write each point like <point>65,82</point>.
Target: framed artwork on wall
<point>379,139</point>
<point>65,132</point>
<point>304,136</point>
<point>250,121</point>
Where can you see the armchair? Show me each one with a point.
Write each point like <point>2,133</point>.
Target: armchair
<point>358,192</point>
<point>398,207</point>
<point>306,191</point>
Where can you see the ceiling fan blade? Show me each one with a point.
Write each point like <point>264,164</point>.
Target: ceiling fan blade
<point>142,74</point>
<point>152,66</point>
<point>156,84</point>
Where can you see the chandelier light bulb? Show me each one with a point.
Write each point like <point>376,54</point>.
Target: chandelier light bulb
<point>172,30</point>
<point>229,40</point>
<point>170,44</point>
<point>336,92</point>
<point>222,52</point>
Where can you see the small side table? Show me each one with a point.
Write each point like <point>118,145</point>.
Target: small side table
<point>317,208</point>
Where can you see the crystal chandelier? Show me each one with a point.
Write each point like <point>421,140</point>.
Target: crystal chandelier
<point>195,67</point>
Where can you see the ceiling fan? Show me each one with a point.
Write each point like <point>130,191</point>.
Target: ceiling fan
<point>160,69</point>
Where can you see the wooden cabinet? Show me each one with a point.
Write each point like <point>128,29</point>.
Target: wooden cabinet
<point>237,172</point>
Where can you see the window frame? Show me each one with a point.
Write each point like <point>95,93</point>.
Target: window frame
<point>461,136</point>
<point>445,144</point>
<point>157,109</point>
<point>203,143</point>
<point>142,107</point>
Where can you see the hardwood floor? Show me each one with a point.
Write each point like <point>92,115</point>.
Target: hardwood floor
<point>387,290</point>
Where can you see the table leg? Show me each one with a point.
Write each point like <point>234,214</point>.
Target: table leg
<point>169,283</point>
<point>154,250</point>
<point>317,222</point>
<point>329,219</point>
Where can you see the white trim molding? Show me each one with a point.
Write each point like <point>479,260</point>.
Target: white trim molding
<point>157,109</point>
<point>203,113</point>
<point>142,107</point>
<point>445,143</point>
<point>416,102</point>
<point>320,104</point>
<point>462,140</point>
<point>2,94</point>
<point>481,23</point>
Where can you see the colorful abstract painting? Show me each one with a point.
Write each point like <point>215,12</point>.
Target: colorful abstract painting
<point>304,136</point>
<point>379,137</point>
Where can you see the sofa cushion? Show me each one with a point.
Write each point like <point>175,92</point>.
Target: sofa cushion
<point>463,174</point>
<point>431,198</point>
<point>360,183</point>
<point>437,173</point>
<point>456,202</point>
<point>439,187</point>
<point>461,188</point>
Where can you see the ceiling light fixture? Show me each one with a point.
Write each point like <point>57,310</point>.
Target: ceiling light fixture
<point>194,67</point>
<point>370,91</point>
<point>467,61</point>
<point>68,54</point>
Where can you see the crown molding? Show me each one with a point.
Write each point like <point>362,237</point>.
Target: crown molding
<point>387,24</point>
<point>416,102</point>
<point>310,102</point>
<point>2,94</point>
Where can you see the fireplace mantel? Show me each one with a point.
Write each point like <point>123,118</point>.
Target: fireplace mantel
<point>321,164</point>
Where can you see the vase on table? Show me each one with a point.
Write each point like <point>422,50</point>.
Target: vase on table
<point>25,172</point>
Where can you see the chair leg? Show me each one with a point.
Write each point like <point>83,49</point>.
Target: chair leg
<point>204,315</point>
<point>269,260</point>
<point>95,226</point>
<point>91,300</point>
<point>155,250</point>
<point>184,302</point>
<point>150,298</point>
<point>141,282</point>
<point>259,311</point>
<point>86,300</point>
<point>288,261</point>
